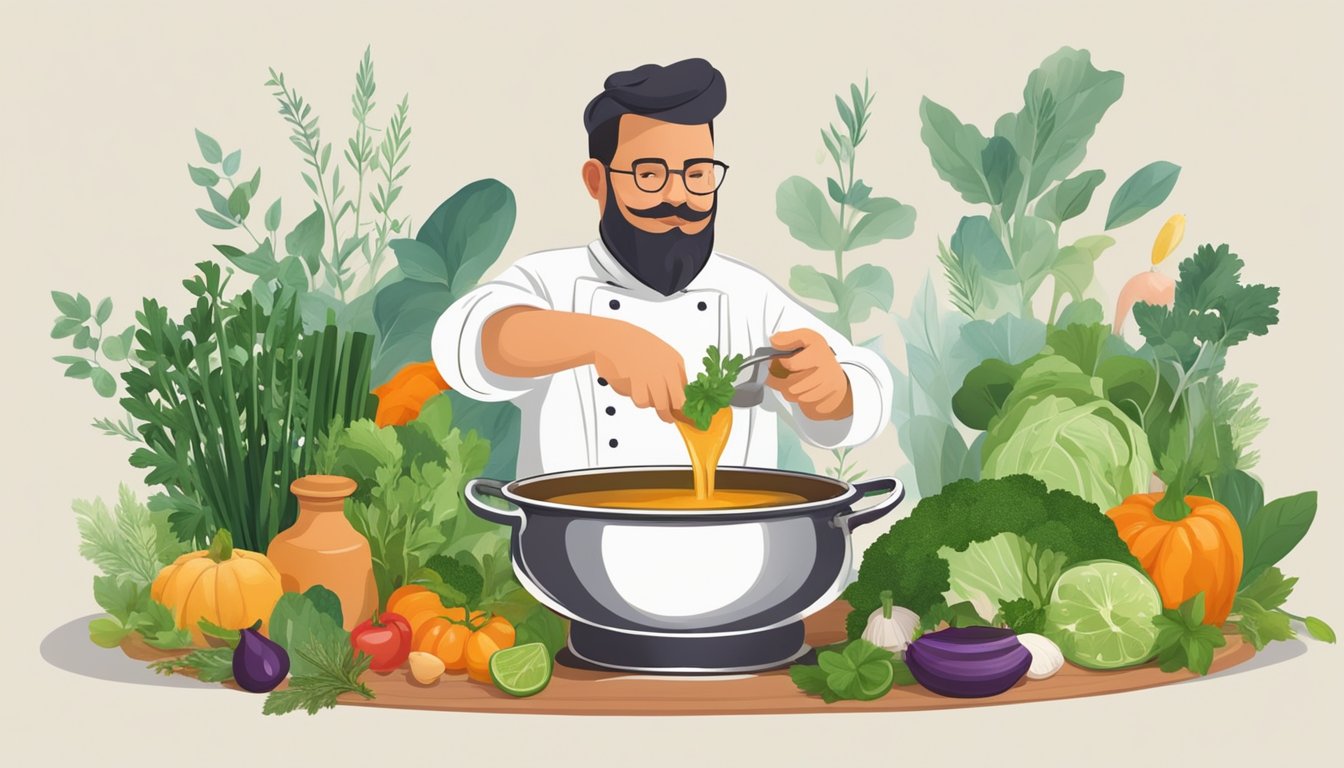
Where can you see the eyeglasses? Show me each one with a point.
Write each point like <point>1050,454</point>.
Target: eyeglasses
<point>701,176</point>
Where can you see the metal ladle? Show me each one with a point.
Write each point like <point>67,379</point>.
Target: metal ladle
<point>751,393</point>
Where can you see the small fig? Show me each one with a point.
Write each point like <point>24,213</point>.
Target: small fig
<point>259,663</point>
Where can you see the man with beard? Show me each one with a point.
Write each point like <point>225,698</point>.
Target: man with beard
<point>594,343</point>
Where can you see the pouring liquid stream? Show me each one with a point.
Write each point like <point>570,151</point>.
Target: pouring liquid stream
<point>705,448</point>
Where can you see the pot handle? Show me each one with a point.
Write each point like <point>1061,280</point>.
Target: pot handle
<point>856,517</point>
<point>484,486</point>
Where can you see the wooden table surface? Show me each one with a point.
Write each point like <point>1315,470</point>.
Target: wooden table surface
<point>584,692</point>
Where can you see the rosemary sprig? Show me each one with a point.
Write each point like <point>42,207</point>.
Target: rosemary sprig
<point>213,665</point>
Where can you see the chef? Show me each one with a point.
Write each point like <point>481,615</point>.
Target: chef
<point>594,344</point>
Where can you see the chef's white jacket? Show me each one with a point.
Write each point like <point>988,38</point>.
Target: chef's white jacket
<point>572,420</point>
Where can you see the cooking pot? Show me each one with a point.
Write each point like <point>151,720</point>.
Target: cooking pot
<point>682,591</point>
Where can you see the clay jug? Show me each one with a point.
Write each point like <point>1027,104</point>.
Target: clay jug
<point>323,548</point>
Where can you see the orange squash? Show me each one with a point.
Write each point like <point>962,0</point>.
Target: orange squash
<point>1200,552</point>
<point>232,588</point>
<point>402,397</point>
<point>459,640</point>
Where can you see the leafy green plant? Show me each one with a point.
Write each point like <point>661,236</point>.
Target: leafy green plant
<point>409,501</point>
<point>230,401</point>
<point>858,220</point>
<point>315,257</point>
<point>130,546</point>
<point>86,329</point>
<point>997,261</point>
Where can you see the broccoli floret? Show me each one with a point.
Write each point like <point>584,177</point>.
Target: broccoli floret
<point>905,559</point>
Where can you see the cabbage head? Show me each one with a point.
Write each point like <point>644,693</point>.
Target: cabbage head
<point>1058,426</point>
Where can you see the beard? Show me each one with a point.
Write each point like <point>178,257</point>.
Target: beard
<point>667,261</point>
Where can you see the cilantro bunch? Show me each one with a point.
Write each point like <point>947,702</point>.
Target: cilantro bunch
<point>712,388</point>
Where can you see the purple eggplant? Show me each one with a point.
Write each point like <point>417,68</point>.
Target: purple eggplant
<point>259,663</point>
<point>968,662</point>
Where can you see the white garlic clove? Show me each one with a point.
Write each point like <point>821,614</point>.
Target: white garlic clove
<point>1046,658</point>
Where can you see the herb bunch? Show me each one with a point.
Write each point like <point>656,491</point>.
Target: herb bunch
<point>712,389</point>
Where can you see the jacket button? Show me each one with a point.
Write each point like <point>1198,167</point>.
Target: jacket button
<point>702,306</point>
<point>611,410</point>
<point>614,304</point>
<point>601,382</point>
<point>613,442</point>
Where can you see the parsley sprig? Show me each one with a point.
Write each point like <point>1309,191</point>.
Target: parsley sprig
<point>1184,640</point>
<point>712,389</point>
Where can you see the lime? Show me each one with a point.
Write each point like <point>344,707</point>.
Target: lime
<point>521,670</point>
<point>1101,615</point>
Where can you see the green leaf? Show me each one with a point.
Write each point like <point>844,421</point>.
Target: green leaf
<point>833,189</point>
<point>1068,198</point>
<point>1035,247</point>
<point>809,679</point>
<point>239,203</point>
<point>1274,531</point>
<point>203,176</point>
<point>104,311</point>
<point>220,203</point>
<point>215,220</point>
<point>291,273</point>
<point>232,161</point>
<point>306,239</point>
<point>68,306</point>
<point>955,149</point>
<point>1074,266</point>
<point>469,230</point>
<point>975,240</point>
<point>119,597</point>
<point>1085,312</point>
<point>158,628</point>
<point>325,601</point>
<point>420,262</point>
<point>1064,100</point>
<point>107,632</point>
<point>211,665</point>
<point>103,383</point>
<point>804,210</point>
<point>66,326</point>
<point>887,219</point>
<point>869,287</point>
<point>273,216</point>
<point>903,676</point>
<point>1003,179</point>
<point>1241,494</point>
<point>295,622</point>
<point>984,391</point>
<point>211,629</point>
<point>79,369</point>
<point>258,262</point>
<point>210,150</point>
<point>1142,192</point>
<point>545,627</point>
<point>1319,629</point>
<point>1270,589</point>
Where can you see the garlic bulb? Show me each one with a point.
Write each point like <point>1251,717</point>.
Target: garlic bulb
<point>891,627</point>
<point>1046,658</point>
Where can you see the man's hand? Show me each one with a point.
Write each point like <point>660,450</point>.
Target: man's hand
<point>812,378</point>
<point>641,366</point>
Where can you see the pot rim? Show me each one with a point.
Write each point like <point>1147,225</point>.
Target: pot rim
<point>847,494</point>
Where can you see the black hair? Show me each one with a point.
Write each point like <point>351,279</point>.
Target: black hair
<point>603,139</point>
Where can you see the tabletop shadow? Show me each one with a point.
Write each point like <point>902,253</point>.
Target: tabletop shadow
<point>1274,653</point>
<point>68,648</point>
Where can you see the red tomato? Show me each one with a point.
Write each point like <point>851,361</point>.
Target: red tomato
<point>387,639</point>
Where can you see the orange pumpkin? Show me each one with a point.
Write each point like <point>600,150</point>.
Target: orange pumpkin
<point>402,397</point>
<point>459,640</point>
<point>1200,552</point>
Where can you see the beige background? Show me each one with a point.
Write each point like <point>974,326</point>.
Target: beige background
<point>99,107</point>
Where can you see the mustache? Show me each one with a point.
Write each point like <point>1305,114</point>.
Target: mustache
<point>663,210</point>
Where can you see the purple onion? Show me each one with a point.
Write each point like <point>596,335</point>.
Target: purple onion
<point>968,662</point>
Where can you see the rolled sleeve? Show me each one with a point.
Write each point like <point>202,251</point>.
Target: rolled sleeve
<point>456,341</point>
<point>870,385</point>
